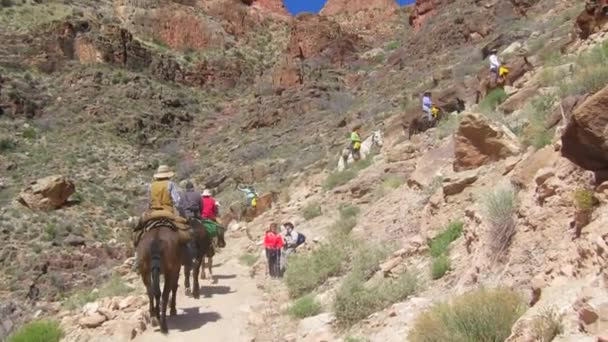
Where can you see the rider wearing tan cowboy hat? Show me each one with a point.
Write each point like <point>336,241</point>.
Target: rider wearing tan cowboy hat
<point>163,193</point>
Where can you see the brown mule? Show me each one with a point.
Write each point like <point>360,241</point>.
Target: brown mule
<point>203,244</point>
<point>159,252</point>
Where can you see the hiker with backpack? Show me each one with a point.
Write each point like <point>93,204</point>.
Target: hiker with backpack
<point>292,240</point>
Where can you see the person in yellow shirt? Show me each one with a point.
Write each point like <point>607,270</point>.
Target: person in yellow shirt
<point>355,143</point>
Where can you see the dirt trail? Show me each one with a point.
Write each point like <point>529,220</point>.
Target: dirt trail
<point>221,312</point>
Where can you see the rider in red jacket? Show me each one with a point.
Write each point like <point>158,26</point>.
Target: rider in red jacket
<point>209,206</point>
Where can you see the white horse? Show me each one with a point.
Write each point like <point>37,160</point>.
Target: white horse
<point>346,157</point>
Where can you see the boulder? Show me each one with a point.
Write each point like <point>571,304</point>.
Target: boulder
<point>316,328</point>
<point>74,241</point>
<point>585,141</point>
<point>518,100</point>
<point>92,321</point>
<point>478,142</point>
<point>459,182</point>
<point>47,193</point>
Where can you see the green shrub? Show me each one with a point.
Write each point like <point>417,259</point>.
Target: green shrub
<point>355,339</point>
<point>440,266</point>
<point>6,3</point>
<point>485,315</point>
<point>115,286</point>
<point>339,178</point>
<point>439,245</point>
<point>308,271</point>
<point>448,126</point>
<point>394,45</point>
<point>348,211</point>
<point>343,225</point>
<point>591,72</point>
<point>355,301</point>
<point>392,182</point>
<point>249,259</point>
<point>499,207</point>
<point>29,133</point>
<point>7,144</point>
<point>583,199</point>
<point>311,211</point>
<point>535,134</point>
<point>39,331</point>
<point>493,99</point>
<point>304,307</point>
<point>547,326</point>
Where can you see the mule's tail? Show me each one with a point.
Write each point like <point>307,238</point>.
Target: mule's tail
<point>155,256</point>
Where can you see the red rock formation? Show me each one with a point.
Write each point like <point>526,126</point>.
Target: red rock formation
<point>333,7</point>
<point>182,30</point>
<point>422,10</point>
<point>275,6</point>
<point>312,36</point>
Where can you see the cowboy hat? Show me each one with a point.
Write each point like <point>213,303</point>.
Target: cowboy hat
<point>207,193</point>
<point>163,172</point>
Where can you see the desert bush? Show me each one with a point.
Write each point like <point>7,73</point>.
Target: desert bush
<point>493,99</point>
<point>38,331</point>
<point>535,134</point>
<point>348,211</point>
<point>308,271</point>
<point>591,72</point>
<point>440,266</point>
<point>355,301</point>
<point>343,225</point>
<point>547,326</point>
<point>448,126</point>
<point>583,199</point>
<point>355,339</point>
<point>304,307</point>
<point>29,133</point>
<point>6,3</point>
<point>7,144</point>
<point>339,178</point>
<point>485,315</point>
<point>394,45</point>
<point>499,207</point>
<point>311,211</point>
<point>248,259</point>
<point>439,245</point>
<point>392,182</point>
<point>114,286</point>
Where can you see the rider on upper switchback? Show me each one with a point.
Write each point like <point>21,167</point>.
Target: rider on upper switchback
<point>355,143</point>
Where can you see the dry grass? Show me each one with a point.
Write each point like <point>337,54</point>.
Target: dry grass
<point>39,331</point>
<point>304,307</point>
<point>485,315</point>
<point>499,207</point>
<point>547,326</point>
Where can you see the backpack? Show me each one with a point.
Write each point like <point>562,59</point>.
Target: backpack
<point>301,239</point>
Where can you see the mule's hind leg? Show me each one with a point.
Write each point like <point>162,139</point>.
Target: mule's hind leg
<point>210,268</point>
<point>173,283</point>
<point>187,269</point>
<point>203,274</point>
<point>196,267</point>
<point>165,300</point>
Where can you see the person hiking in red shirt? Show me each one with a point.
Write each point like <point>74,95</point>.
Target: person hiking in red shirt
<point>273,242</point>
<point>209,206</point>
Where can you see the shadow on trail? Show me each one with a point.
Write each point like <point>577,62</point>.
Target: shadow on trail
<point>210,291</point>
<point>227,276</point>
<point>191,319</point>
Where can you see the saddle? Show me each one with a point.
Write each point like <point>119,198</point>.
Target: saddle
<point>153,219</point>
